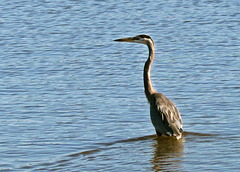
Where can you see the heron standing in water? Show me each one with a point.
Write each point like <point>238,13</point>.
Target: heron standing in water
<point>164,114</point>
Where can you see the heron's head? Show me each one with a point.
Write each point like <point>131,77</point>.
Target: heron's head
<point>143,39</point>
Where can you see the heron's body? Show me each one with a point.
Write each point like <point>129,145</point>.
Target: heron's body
<point>164,115</point>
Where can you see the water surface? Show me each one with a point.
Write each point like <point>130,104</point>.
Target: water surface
<point>72,99</point>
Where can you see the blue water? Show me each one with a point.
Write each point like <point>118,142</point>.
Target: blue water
<point>72,99</point>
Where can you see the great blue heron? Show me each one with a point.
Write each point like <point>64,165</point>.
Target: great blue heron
<point>164,114</point>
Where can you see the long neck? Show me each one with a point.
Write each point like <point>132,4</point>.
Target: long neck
<point>146,73</point>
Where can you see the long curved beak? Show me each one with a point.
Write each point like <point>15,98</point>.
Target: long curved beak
<point>129,39</point>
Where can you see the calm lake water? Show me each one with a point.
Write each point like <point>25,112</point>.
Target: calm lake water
<point>73,100</point>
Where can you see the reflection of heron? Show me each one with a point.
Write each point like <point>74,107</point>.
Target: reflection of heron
<point>167,155</point>
<point>164,114</point>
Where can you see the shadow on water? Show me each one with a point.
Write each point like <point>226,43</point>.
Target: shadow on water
<point>186,133</point>
<point>112,143</point>
<point>195,137</point>
<point>167,152</point>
